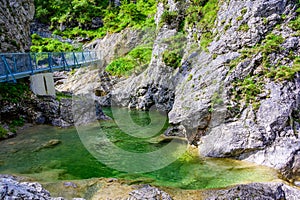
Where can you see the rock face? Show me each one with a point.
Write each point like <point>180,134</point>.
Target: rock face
<point>226,96</point>
<point>259,191</point>
<point>15,25</point>
<point>119,44</point>
<point>10,188</point>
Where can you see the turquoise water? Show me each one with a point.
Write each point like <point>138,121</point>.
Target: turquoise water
<point>74,157</point>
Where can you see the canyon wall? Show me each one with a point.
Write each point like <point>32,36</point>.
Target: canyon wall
<point>15,25</point>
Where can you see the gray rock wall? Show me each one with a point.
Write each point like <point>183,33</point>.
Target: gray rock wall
<point>15,25</point>
<point>116,45</point>
<point>255,191</point>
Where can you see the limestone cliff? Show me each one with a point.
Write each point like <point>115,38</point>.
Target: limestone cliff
<point>14,25</point>
<point>236,90</point>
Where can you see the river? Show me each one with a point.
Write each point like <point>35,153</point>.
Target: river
<point>48,153</point>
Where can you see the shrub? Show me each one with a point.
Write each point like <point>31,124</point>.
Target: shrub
<point>17,122</point>
<point>172,58</point>
<point>203,14</point>
<point>120,66</point>
<point>243,27</point>
<point>248,89</point>
<point>13,92</point>
<point>3,132</point>
<point>40,44</point>
<point>168,17</point>
<point>78,15</point>
<point>135,60</point>
<point>295,24</point>
<point>284,72</point>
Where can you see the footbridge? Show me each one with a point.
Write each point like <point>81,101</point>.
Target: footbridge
<point>14,66</point>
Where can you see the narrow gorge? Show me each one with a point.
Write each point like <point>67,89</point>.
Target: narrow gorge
<point>225,73</point>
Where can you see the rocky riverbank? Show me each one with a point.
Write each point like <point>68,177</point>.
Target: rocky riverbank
<point>102,189</point>
<point>54,110</point>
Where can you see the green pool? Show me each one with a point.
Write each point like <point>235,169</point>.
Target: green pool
<point>75,156</point>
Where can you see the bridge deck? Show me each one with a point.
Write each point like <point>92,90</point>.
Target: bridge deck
<point>14,66</point>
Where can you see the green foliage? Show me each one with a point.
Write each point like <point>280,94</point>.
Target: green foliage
<point>69,12</point>
<point>295,24</point>
<point>243,27</point>
<point>247,89</point>
<point>227,26</point>
<point>239,18</point>
<point>172,56</point>
<point>40,44</point>
<point>121,67</point>
<point>3,132</point>
<point>270,44</point>
<point>141,54</point>
<point>77,15</point>
<point>244,11</point>
<point>202,14</point>
<point>62,95</point>
<point>136,60</point>
<point>284,72</point>
<point>14,93</point>
<point>17,122</point>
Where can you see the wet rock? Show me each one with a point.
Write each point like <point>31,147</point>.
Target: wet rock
<point>149,193</point>
<point>175,131</point>
<point>51,143</point>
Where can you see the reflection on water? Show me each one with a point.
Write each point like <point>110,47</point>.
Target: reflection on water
<point>35,152</point>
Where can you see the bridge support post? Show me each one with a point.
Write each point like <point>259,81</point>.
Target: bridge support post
<point>42,84</point>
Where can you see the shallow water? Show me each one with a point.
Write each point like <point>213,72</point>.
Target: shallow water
<point>73,157</point>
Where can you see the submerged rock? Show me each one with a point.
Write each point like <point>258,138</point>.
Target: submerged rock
<point>50,144</point>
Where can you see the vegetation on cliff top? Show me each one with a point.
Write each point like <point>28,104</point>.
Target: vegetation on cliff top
<point>74,18</point>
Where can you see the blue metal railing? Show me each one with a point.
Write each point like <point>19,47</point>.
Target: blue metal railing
<point>19,65</point>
